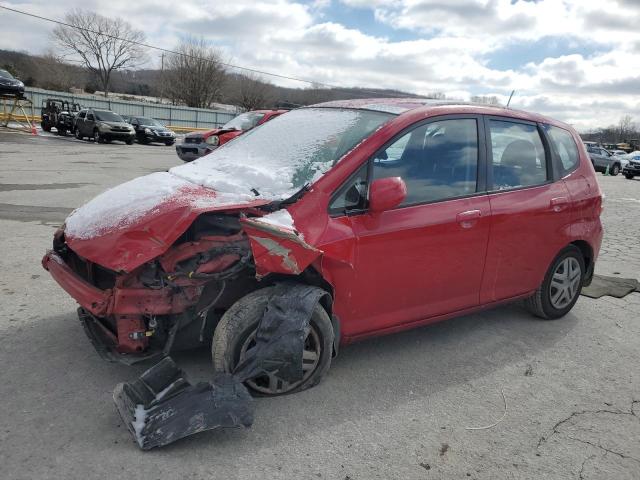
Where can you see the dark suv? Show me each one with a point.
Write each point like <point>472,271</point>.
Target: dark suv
<point>632,168</point>
<point>151,130</point>
<point>602,160</point>
<point>103,126</point>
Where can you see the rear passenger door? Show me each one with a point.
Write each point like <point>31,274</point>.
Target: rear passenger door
<point>530,210</point>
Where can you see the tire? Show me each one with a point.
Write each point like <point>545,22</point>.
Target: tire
<point>615,170</point>
<point>97,138</point>
<point>628,177</point>
<point>77,133</point>
<point>542,302</point>
<point>238,325</point>
<point>129,142</point>
<point>62,132</point>
<point>168,144</point>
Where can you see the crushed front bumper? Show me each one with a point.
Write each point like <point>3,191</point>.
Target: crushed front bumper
<point>115,319</point>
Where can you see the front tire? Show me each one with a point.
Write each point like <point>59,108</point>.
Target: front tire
<point>561,286</point>
<point>237,328</point>
<point>77,133</point>
<point>628,177</point>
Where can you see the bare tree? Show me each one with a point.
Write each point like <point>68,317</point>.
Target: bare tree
<point>625,127</point>
<point>194,75</point>
<point>252,92</point>
<point>102,44</point>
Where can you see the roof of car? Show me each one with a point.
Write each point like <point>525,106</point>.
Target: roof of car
<point>405,104</point>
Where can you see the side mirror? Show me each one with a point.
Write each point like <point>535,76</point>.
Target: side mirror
<point>386,193</point>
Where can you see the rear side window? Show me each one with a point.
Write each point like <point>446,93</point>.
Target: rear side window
<point>566,148</point>
<point>518,155</point>
<point>437,161</point>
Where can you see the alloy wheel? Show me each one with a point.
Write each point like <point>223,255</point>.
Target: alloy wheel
<point>565,283</point>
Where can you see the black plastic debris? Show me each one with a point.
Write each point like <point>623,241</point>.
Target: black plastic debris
<point>617,287</point>
<point>161,406</point>
<point>281,333</point>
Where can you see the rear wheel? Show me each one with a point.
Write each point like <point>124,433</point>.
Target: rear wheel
<point>97,137</point>
<point>628,176</point>
<point>615,170</point>
<point>235,336</point>
<point>561,286</point>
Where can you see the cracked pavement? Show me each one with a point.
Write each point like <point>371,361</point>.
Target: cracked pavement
<point>392,407</point>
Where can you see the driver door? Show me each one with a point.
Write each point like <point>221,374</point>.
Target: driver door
<point>424,258</point>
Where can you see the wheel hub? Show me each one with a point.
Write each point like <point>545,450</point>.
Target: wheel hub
<point>565,283</point>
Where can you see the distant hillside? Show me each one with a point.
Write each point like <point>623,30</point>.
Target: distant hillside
<point>50,73</point>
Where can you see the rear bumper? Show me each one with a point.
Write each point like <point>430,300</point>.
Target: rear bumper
<point>631,170</point>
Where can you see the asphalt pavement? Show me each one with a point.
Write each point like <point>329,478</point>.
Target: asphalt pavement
<point>400,406</point>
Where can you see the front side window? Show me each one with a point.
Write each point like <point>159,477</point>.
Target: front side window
<point>437,160</point>
<point>353,194</point>
<point>566,148</point>
<point>518,155</point>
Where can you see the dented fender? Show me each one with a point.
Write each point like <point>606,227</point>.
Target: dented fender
<point>277,249</point>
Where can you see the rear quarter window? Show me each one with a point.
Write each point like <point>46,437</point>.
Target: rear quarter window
<point>566,148</point>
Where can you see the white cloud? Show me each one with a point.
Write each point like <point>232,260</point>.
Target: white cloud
<point>453,43</point>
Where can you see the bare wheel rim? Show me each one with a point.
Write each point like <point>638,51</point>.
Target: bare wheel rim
<point>271,384</point>
<point>96,136</point>
<point>565,283</point>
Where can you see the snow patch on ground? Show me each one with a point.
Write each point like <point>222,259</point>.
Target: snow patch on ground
<point>138,423</point>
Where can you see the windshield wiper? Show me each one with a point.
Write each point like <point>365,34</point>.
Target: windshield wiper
<point>278,204</point>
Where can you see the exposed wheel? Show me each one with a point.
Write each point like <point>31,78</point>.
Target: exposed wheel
<point>235,335</point>
<point>615,170</point>
<point>561,286</point>
<point>97,137</point>
<point>77,133</point>
<point>129,141</point>
<point>45,126</point>
<point>62,132</point>
<point>628,176</point>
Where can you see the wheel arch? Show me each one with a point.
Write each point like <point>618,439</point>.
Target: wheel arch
<point>587,255</point>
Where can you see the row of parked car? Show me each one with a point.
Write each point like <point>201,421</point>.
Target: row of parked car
<point>104,126</point>
<point>614,162</point>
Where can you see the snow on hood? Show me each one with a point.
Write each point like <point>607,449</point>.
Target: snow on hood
<point>124,205</point>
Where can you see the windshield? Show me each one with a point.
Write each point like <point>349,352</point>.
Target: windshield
<point>246,121</point>
<point>106,116</point>
<point>149,121</point>
<point>284,154</point>
<point>5,74</point>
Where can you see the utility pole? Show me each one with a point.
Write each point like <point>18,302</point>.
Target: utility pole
<point>161,76</point>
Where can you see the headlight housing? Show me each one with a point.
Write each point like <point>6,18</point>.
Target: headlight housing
<point>213,140</point>
<point>103,126</point>
<point>148,131</point>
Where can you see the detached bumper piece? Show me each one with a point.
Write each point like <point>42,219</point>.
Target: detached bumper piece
<point>161,406</point>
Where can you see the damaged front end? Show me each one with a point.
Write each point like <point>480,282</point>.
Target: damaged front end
<point>175,300</point>
<point>171,301</point>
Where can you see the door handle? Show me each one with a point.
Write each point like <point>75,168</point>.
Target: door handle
<point>559,203</point>
<point>468,219</point>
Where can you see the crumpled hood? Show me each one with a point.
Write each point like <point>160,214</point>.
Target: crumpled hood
<point>137,221</point>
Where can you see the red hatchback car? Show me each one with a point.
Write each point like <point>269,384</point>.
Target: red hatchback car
<point>405,211</point>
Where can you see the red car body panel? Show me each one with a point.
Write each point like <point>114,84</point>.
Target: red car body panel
<point>389,271</point>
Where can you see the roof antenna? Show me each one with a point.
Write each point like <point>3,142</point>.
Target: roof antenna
<point>510,97</point>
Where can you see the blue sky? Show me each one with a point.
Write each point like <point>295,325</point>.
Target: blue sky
<point>576,60</point>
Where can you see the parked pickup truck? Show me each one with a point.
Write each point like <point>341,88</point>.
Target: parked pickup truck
<point>198,144</point>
